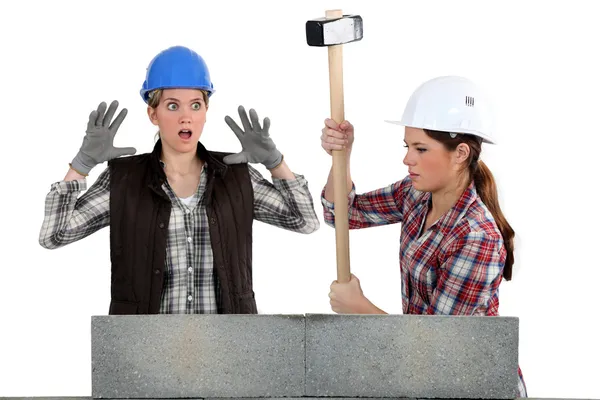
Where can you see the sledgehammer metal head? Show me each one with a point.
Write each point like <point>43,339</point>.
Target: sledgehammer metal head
<point>330,32</point>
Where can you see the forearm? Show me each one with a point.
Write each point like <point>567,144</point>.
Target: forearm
<point>282,171</point>
<point>377,207</point>
<point>329,185</point>
<point>366,307</point>
<point>73,175</point>
<point>285,203</point>
<point>68,218</point>
<point>61,224</point>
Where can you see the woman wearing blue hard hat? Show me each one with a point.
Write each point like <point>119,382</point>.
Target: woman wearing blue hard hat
<point>181,216</point>
<point>456,246</point>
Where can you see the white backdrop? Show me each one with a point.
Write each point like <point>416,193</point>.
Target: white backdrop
<point>538,62</point>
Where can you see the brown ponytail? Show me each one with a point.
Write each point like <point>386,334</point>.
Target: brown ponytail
<point>486,188</point>
<point>485,185</point>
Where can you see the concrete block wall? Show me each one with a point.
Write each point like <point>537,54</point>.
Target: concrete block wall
<point>182,356</point>
<point>283,356</point>
<point>411,356</point>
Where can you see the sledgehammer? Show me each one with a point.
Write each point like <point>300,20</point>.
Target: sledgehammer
<point>333,31</point>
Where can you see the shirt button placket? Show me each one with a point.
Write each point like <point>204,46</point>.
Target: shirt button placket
<point>189,303</point>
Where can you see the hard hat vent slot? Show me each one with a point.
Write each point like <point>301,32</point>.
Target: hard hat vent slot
<point>469,101</point>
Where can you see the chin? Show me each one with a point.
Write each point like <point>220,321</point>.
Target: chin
<point>417,186</point>
<point>421,187</point>
<point>188,147</point>
<point>182,146</point>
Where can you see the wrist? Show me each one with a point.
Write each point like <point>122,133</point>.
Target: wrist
<point>366,307</point>
<point>79,169</point>
<point>82,164</point>
<point>73,175</point>
<point>274,161</point>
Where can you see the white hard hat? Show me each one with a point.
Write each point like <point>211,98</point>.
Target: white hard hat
<point>450,104</point>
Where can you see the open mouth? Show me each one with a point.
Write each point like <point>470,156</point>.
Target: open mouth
<point>185,134</point>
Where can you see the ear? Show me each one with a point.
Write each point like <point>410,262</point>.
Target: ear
<point>152,115</point>
<point>462,153</point>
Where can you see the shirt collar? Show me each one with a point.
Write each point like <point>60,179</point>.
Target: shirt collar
<point>447,221</point>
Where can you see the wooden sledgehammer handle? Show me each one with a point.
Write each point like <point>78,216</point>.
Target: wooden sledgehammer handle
<point>336,92</point>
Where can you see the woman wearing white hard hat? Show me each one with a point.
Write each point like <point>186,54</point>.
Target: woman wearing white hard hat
<point>455,245</point>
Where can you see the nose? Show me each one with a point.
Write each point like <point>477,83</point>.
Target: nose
<point>185,117</point>
<point>408,159</point>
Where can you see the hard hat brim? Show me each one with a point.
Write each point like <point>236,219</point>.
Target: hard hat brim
<point>484,137</point>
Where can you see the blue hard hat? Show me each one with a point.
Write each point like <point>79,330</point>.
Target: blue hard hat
<point>177,67</point>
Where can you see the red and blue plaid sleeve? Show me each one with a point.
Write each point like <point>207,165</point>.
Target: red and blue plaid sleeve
<point>468,277</point>
<point>378,207</point>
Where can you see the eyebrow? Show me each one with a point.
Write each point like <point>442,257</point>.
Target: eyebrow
<point>191,101</point>
<point>417,143</point>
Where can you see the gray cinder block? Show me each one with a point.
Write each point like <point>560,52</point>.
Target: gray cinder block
<point>411,356</point>
<point>198,356</point>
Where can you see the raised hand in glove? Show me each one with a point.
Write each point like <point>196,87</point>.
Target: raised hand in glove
<point>97,144</point>
<point>257,145</point>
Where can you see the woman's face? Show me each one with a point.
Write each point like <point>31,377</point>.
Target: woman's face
<point>431,166</point>
<point>180,116</point>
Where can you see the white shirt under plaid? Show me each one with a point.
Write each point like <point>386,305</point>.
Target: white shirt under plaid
<point>190,286</point>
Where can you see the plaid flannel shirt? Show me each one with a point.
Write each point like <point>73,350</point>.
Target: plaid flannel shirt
<point>190,286</point>
<point>454,267</point>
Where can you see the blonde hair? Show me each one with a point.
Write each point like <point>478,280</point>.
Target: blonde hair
<point>154,100</point>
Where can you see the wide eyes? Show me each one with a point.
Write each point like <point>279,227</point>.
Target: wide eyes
<point>174,106</point>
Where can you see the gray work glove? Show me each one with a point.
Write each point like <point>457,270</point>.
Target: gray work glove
<point>257,146</point>
<point>97,144</point>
